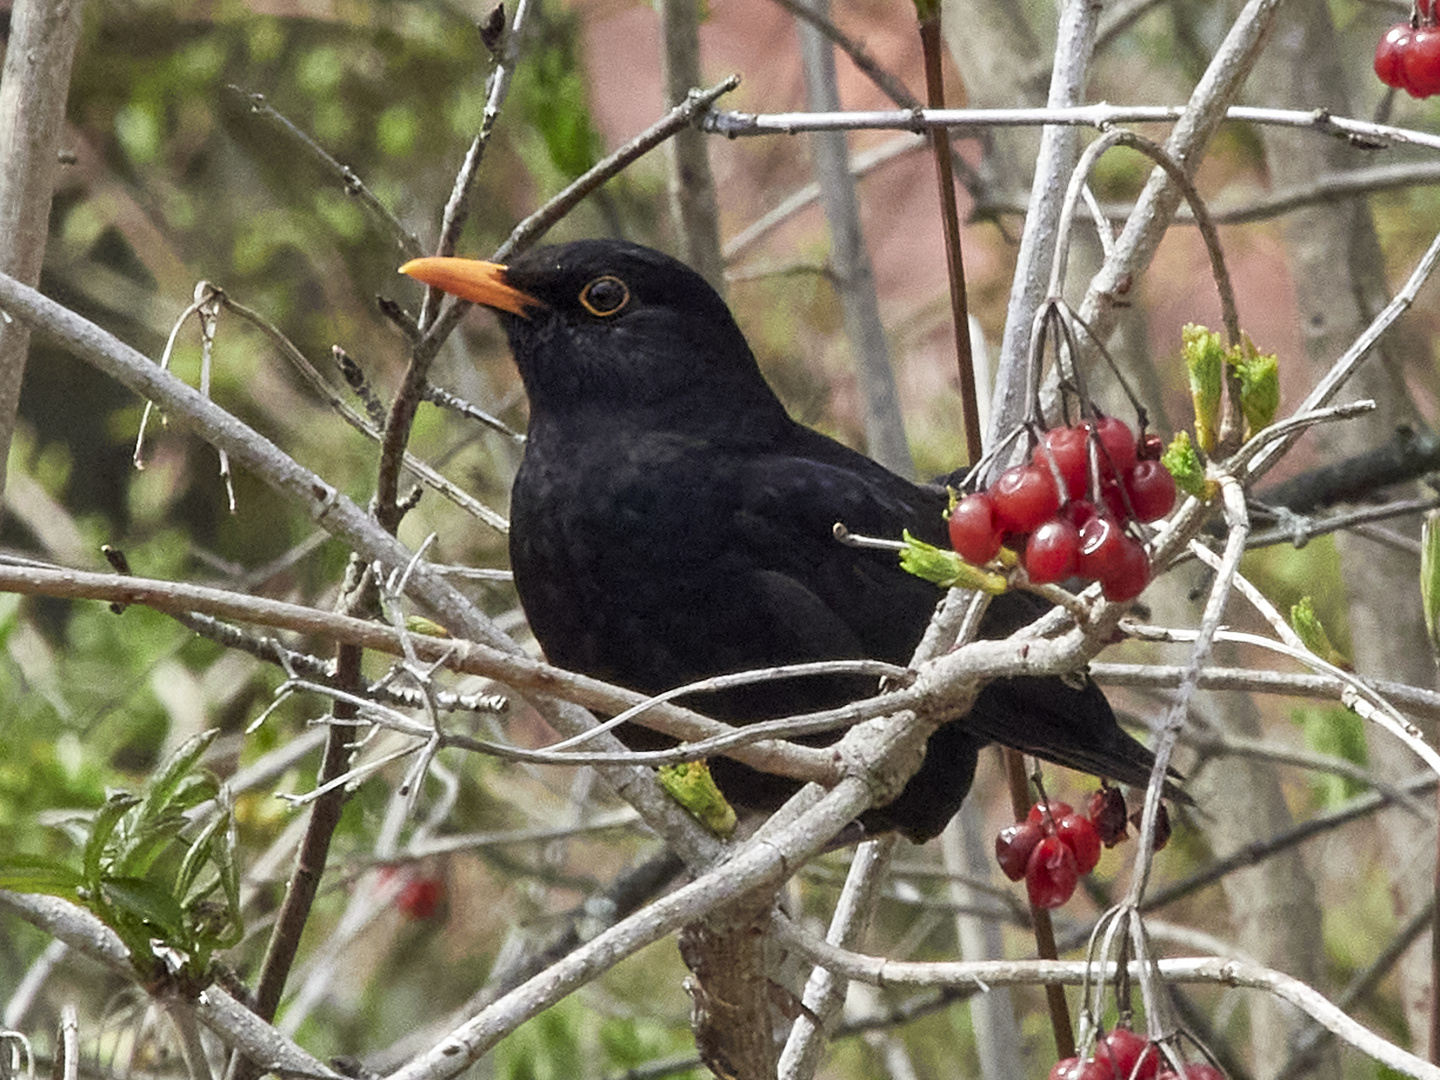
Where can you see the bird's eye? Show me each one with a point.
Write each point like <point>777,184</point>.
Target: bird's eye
<point>605,296</point>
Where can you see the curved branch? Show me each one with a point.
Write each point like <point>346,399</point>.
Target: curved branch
<point>878,971</point>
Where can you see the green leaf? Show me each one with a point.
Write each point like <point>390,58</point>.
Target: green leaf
<point>103,827</point>
<point>1204,357</point>
<point>143,843</point>
<point>418,624</point>
<point>1312,632</point>
<point>197,856</point>
<point>148,902</point>
<point>1259,384</point>
<point>219,924</point>
<point>1185,466</point>
<point>1430,576</point>
<point>197,788</point>
<point>691,785</point>
<point>947,569</point>
<point>222,852</point>
<point>38,874</point>
<point>173,778</point>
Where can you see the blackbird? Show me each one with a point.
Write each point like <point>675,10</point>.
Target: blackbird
<point>670,522</point>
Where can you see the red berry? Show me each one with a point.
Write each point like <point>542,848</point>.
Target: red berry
<point>1051,876</point>
<point>1162,826</point>
<point>420,898</point>
<point>1151,447</point>
<point>973,532</point>
<point>1052,551</point>
<point>1128,1054</point>
<point>1101,544</point>
<point>1107,814</point>
<point>1014,845</point>
<point>1151,489</point>
<point>1057,810</point>
<point>1066,445</point>
<point>1425,12</point>
<point>1081,837</point>
<point>1390,55</point>
<point>1024,498</point>
<point>1129,575</point>
<point>1117,443</point>
<point>1112,558</point>
<point>1420,62</point>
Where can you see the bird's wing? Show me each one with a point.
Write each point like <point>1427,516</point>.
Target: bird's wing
<point>784,523</point>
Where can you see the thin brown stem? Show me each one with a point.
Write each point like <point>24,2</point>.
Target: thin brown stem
<point>950,218</point>
<point>310,864</point>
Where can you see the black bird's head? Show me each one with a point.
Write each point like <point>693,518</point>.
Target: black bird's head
<point>611,326</point>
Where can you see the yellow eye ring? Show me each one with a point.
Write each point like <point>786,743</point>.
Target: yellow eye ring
<point>605,296</point>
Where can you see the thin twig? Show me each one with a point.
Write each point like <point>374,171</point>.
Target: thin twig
<point>824,991</point>
<point>255,104</point>
<point>1421,702</point>
<point>1155,152</point>
<point>861,164</point>
<point>1302,1054</point>
<point>889,84</point>
<point>1358,695</point>
<point>513,669</point>
<point>457,207</point>
<point>681,116</point>
<point>941,151</point>
<point>1100,116</point>
<point>322,388</point>
<point>538,223</point>
<point>760,864</point>
<point>1330,384</point>
<point>848,263</point>
<point>1059,147</point>
<point>881,971</point>
<point>1359,807</point>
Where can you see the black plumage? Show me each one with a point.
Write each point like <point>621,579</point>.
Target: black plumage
<point>671,522</point>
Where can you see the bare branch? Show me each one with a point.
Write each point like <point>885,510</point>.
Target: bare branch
<point>880,971</point>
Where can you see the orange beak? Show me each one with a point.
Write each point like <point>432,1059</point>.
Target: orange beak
<point>469,279</point>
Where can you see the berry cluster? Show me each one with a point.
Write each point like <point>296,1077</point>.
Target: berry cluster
<point>1123,1055</point>
<point>1065,511</point>
<point>1408,56</point>
<point>1054,847</point>
<point>1051,849</point>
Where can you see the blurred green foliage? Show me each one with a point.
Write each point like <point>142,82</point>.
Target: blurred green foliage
<point>1340,733</point>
